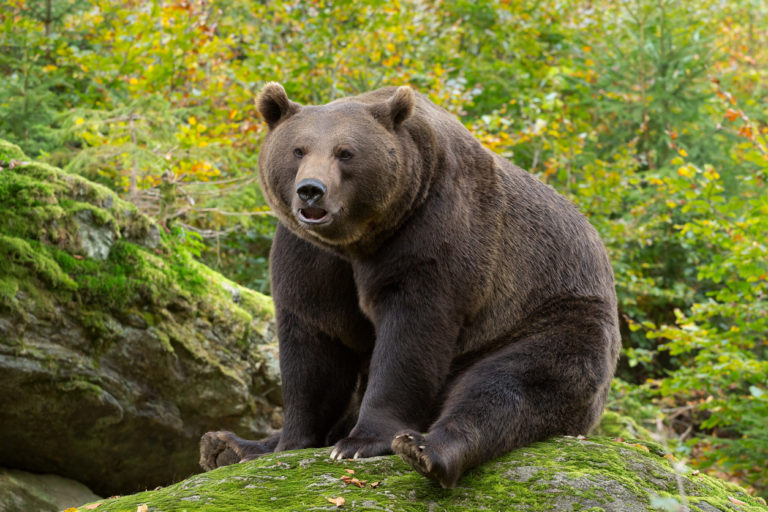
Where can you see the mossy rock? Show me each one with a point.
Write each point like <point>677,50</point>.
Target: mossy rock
<point>9,152</point>
<point>23,492</point>
<point>562,474</point>
<point>117,348</point>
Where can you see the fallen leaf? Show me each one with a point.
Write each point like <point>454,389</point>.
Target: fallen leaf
<point>92,506</point>
<point>141,508</point>
<point>375,484</point>
<point>71,509</point>
<point>619,440</point>
<point>735,501</point>
<point>641,446</point>
<point>359,483</point>
<point>339,502</point>
<point>695,472</point>
<point>346,479</point>
<point>350,471</point>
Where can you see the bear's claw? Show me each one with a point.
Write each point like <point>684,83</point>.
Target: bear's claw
<point>360,448</point>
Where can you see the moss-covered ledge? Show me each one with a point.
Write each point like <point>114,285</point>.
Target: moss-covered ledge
<point>562,474</point>
<point>117,348</point>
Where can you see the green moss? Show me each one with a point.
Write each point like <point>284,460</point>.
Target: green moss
<point>258,302</point>
<point>9,287</point>
<point>41,208</point>
<point>9,152</point>
<point>616,425</point>
<point>562,474</point>
<point>100,215</point>
<point>15,252</point>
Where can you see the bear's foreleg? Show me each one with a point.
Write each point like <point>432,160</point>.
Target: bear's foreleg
<point>319,376</point>
<point>408,371</point>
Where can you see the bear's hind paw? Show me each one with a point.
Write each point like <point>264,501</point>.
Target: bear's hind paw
<point>415,450</point>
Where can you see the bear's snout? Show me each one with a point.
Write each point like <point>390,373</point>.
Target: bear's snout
<point>310,190</point>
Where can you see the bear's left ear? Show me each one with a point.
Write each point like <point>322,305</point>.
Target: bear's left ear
<point>396,109</point>
<point>274,105</point>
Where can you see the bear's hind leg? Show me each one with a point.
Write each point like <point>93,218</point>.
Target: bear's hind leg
<point>547,384</point>
<point>223,448</point>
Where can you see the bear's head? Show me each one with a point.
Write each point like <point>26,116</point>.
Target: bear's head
<point>339,174</point>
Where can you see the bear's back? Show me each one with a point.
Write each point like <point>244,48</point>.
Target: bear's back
<point>536,244</point>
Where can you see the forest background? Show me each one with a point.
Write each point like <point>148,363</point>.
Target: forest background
<point>651,115</point>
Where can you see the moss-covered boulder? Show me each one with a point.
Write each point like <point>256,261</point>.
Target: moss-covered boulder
<point>117,349</point>
<point>563,474</point>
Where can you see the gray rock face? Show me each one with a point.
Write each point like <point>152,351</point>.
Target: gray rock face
<point>117,349</point>
<point>95,240</point>
<point>123,409</point>
<point>24,492</point>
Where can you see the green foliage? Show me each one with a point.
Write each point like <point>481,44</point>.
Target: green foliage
<point>651,115</point>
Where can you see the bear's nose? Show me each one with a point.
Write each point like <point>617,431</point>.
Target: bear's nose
<point>310,190</point>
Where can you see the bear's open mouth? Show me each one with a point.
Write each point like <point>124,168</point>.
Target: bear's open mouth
<point>313,215</point>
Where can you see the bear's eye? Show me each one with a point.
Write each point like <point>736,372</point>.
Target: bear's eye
<point>344,155</point>
<point>298,153</point>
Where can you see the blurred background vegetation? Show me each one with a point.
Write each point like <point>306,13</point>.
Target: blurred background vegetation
<point>651,115</point>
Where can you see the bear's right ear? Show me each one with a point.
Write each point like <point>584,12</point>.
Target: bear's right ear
<point>274,105</point>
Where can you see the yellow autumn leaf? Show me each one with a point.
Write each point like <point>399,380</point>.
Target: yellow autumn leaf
<point>192,121</point>
<point>682,152</point>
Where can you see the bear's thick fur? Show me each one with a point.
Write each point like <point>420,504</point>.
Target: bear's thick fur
<point>423,284</point>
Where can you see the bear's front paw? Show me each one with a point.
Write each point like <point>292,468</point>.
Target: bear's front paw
<point>361,447</point>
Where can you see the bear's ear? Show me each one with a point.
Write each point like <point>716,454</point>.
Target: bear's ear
<point>274,105</point>
<point>396,109</point>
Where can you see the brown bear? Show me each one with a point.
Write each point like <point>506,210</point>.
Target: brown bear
<point>433,300</point>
